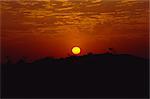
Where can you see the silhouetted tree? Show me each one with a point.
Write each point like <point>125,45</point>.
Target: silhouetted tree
<point>90,53</point>
<point>8,61</point>
<point>111,51</point>
<point>22,61</point>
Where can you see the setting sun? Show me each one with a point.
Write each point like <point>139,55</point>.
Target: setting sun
<point>76,50</point>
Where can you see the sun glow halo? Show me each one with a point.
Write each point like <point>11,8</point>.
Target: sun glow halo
<point>76,50</point>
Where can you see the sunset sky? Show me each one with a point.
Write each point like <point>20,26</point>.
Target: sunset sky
<point>40,28</point>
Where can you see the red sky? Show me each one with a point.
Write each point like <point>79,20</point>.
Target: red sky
<point>39,28</point>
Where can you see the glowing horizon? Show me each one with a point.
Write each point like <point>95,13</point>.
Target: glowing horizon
<point>39,28</point>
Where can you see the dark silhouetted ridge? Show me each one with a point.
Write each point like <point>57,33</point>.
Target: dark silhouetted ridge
<point>87,76</point>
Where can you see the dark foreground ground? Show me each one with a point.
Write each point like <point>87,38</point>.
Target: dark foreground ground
<point>89,76</point>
